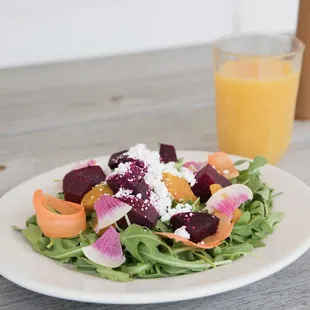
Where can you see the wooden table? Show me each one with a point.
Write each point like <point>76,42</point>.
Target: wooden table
<point>54,114</point>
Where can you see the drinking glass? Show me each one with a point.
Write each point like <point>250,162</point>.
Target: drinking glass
<point>256,83</point>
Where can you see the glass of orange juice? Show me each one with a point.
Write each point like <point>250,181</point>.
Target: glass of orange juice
<point>256,83</point>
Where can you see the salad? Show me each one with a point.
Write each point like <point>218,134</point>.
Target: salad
<point>151,215</point>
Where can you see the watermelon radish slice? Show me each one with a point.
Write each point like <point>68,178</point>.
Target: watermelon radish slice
<point>109,210</point>
<point>228,199</point>
<point>107,250</point>
<point>194,165</point>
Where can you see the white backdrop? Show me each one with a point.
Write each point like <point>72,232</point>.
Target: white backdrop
<point>39,31</point>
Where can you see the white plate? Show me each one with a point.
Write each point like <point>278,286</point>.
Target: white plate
<point>20,264</point>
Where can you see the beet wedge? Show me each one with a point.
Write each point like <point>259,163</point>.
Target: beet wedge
<point>206,177</point>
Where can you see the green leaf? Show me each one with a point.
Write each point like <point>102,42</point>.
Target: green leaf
<point>59,252</point>
<point>16,228</point>
<point>86,266</point>
<point>162,227</point>
<point>257,243</point>
<point>257,207</point>
<point>113,275</point>
<point>33,233</point>
<point>217,251</point>
<point>136,235</point>
<point>257,163</point>
<point>197,207</point>
<point>244,231</point>
<point>237,238</point>
<point>137,269</point>
<point>275,218</point>
<point>264,192</point>
<point>152,254</point>
<point>240,162</point>
<point>60,196</point>
<point>244,219</point>
<point>238,249</point>
<point>179,164</point>
<point>32,220</point>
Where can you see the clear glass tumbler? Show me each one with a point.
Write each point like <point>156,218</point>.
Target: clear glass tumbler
<point>256,83</point>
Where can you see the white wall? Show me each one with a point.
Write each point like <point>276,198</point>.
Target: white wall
<point>38,31</point>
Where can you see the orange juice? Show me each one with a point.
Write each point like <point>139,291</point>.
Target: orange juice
<point>255,105</point>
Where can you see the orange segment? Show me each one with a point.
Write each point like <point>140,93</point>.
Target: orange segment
<point>179,188</point>
<point>69,222</point>
<point>237,214</point>
<point>94,223</point>
<point>223,164</point>
<point>214,188</point>
<point>93,195</point>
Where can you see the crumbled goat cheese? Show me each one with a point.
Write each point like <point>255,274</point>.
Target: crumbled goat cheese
<point>123,193</point>
<point>122,169</point>
<point>160,197</point>
<point>182,232</point>
<point>188,175</point>
<point>225,171</point>
<point>209,209</point>
<point>179,208</point>
<point>184,172</point>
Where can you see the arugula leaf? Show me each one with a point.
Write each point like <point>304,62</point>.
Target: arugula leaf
<point>162,227</point>
<point>60,196</point>
<point>179,164</point>
<point>240,162</point>
<point>86,266</point>
<point>137,269</point>
<point>238,249</point>
<point>257,163</point>
<point>152,254</point>
<point>244,219</point>
<point>32,220</point>
<point>275,218</point>
<point>136,235</point>
<point>33,233</point>
<point>197,206</point>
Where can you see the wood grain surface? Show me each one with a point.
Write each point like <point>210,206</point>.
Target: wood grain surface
<point>56,114</point>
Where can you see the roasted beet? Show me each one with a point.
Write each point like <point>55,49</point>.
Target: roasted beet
<point>116,159</point>
<point>128,176</point>
<point>167,153</point>
<point>142,212</point>
<point>198,225</point>
<point>77,183</point>
<point>143,189</point>
<point>206,177</point>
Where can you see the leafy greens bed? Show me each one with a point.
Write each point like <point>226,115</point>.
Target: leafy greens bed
<point>149,255</point>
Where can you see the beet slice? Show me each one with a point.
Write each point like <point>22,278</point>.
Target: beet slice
<point>167,153</point>
<point>77,183</point>
<point>116,159</point>
<point>143,189</point>
<point>142,212</point>
<point>198,225</point>
<point>126,179</point>
<point>206,177</point>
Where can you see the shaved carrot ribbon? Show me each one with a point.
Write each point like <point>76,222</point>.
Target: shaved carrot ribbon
<point>223,231</point>
<point>58,218</point>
